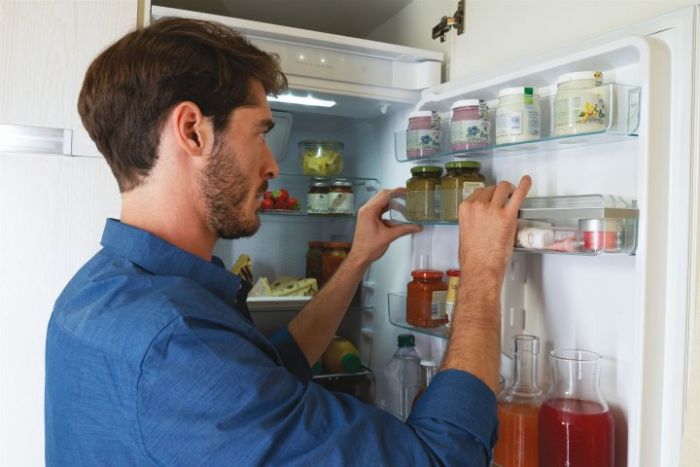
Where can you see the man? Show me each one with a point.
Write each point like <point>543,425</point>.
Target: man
<point>150,361</point>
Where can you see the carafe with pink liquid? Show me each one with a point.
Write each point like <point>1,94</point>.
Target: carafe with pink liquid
<point>576,428</point>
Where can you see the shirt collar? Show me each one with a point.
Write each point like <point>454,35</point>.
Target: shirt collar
<point>160,257</point>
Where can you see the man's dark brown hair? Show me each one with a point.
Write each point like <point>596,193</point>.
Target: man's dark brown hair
<point>130,87</point>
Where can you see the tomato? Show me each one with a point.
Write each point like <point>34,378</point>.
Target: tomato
<point>280,203</point>
<point>267,204</point>
<point>267,195</point>
<point>281,194</point>
<point>292,203</point>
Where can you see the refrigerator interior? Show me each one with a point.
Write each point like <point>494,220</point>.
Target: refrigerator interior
<point>611,304</point>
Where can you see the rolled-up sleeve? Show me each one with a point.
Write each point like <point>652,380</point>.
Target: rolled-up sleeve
<point>208,395</point>
<point>292,356</point>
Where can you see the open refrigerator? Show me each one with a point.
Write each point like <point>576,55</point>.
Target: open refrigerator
<point>632,306</point>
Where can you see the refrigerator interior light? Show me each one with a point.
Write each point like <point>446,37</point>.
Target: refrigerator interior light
<point>301,100</point>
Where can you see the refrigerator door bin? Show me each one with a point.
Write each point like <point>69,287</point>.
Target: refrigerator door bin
<point>622,116</point>
<point>397,317</point>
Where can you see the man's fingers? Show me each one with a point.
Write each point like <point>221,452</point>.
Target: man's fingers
<point>397,231</point>
<point>500,195</point>
<point>483,195</point>
<point>519,195</point>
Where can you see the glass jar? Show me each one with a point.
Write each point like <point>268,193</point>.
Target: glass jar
<point>333,254</point>
<point>423,135</point>
<point>425,301</point>
<point>606,235</point>
<point>453,276</point>
<point>461,179</point>
<point>423,193</point>
<point>517,115</point>
<point>469,127</point>
<point>320,158</point>
<point>518,408</point>
<point>317,200</point>
<point>575,425</point>
<point>580,104</point>
<point>341,200</point>
<point>313,260</point>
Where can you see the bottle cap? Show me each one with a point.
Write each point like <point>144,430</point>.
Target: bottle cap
<point>453,272</point>
<point>517,91</point>
<point>421,169</point>
<point>426,274</point>
<point>407,340</point>
<point>526,343</point>
<point>421,114</point>
<point>466,103</point>
<point>596,76</point>
<point>463,165</point>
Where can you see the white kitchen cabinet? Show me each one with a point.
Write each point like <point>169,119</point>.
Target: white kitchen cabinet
<point>45,49</point>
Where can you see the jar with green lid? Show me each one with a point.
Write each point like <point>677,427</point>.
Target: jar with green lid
<point>461,179</point>
<point>423,193</point>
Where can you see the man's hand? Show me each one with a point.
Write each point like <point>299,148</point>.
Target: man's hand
<point>487,227</point>
<point>373,235</point>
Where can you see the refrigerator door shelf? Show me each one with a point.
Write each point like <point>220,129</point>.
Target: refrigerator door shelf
<point>277,303</point>
<point>397,317</point>
<point>621,124</point>
<point>574,225</point>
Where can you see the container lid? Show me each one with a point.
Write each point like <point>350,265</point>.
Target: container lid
<point>601,225</point>
<point>463,165</point>
<point>466,103</point>
<point>351,362</point>
<point>341,182</point>
<point>519,91</point>
<point>453,272</point>
<point>421,169</point>
<point>347,245</point>
<point>407,340</point>
<point>421,114</point>
<point>597,76</point>
<point>317,244</point>
<point>428,363</point>
<point>320,184</point>
<point>426,274</point>
<point>321,142</point>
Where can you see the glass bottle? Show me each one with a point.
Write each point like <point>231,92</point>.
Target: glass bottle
<point>576,428</point>
<point>518,408</point>
<point>402,377</point>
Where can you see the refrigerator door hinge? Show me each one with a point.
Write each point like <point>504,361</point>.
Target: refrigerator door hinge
<point>455,21</point>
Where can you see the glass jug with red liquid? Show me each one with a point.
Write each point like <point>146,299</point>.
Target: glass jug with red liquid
<point>518,408</point>
<point>576,428</point>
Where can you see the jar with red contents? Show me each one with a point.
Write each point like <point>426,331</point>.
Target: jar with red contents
<point>425,301</point>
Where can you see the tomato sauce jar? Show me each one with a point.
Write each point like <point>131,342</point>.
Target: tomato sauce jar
<point>425,301</point>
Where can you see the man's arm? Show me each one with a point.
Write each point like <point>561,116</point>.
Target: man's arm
<point>314,327</point>
<point>486,236</point>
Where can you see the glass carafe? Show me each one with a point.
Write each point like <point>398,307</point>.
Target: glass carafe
<point>576,427</point>
<point>518,408</point>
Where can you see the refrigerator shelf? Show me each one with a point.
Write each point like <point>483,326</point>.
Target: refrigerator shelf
<point>574,225</point>
<point>397,317</point>
<point>622,124</point>
<point>277,303</point>
<point>298,187</point>
<point>337,376</point>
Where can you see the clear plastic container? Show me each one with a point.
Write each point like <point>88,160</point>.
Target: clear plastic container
<point>517,115</point>
<point>321,158</point>
<point>580,105</point>
<point>402,378</point>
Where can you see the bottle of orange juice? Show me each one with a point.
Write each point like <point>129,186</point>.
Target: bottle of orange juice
<point>341,357</point>
<point>518,409</point>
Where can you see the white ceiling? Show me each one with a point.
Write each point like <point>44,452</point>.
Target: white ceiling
<point>354,18</point>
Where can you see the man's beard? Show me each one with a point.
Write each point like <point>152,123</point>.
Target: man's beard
<point>225,191</point>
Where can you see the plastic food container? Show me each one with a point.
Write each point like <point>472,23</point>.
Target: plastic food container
<point>423,135</point>
<point>602,234</point>
<point>321,158</point>
<point>517,115</point>
<point>580,104</point>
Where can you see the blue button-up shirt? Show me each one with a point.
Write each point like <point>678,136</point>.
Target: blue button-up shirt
<point>149,362</point>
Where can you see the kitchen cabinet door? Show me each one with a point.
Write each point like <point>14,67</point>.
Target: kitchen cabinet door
<point>45,49</point>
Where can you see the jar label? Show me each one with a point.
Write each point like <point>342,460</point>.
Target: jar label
<point>470,187</point>
<point>509,124</point>
<point>583,112</point>
<point>437,305</point>
<point>317,203</point>
<point>469,132</point>
<point>422,142</point>
<point>341,203</point>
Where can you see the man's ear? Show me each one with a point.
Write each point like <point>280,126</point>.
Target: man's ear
<point>194,132</point>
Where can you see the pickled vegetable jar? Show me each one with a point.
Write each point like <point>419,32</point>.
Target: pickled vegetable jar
<point>461,180</point>
<point>423,193</point>
<point>425,300</point>
<point>321,158</point>
<point>580,104</point>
